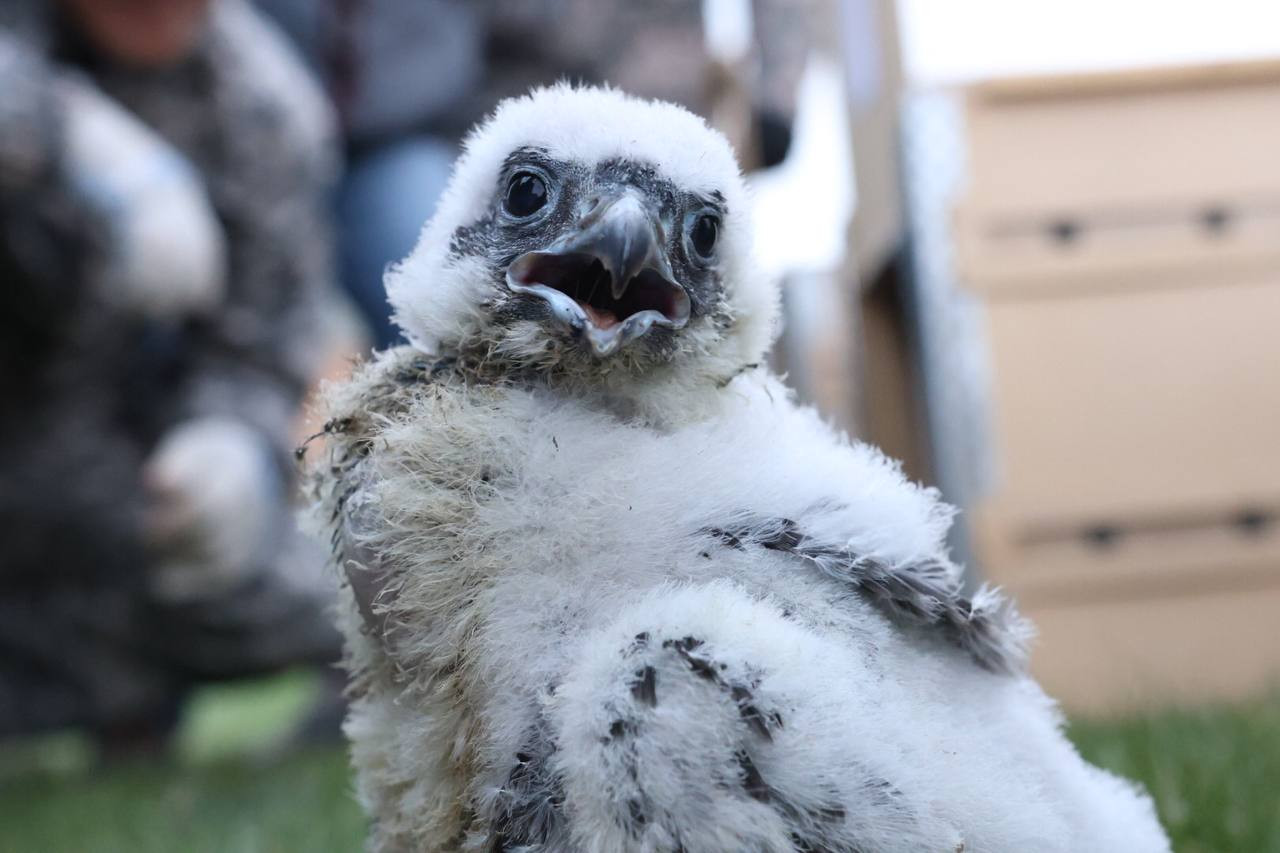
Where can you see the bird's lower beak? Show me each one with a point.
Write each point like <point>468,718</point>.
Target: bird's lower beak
<point>609,279</point>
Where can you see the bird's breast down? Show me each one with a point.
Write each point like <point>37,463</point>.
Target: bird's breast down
<point>551,514</point>
<point>573,498</point>
<point>534,534</point>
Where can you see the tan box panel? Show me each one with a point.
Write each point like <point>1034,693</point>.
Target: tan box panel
<point>1164,400</point>
<point>1124,233</point>
<point>1179,137</point>
<point>1213,646</point>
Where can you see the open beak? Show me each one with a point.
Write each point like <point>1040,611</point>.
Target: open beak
<point>608,279</point>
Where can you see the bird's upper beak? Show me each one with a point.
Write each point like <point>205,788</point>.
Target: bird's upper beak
<point>608,278</point>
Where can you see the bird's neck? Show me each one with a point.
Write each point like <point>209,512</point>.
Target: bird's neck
<point>664,398</point>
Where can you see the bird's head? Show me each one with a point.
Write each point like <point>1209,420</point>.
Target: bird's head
<point>587,233</point>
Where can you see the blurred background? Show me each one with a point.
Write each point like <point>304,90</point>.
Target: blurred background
<point>1031,249</point>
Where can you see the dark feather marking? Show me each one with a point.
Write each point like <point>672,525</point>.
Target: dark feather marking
<point>528,810</point>
<point>645,688</point>
<point>811,827</point>
<point>636,812</point>
<point>706,668</point>
<point>752,782</point>
<point>808,845</point>
<point>751,714</point>
<point>806,821</point>
<point>726,538</point>
<point>922,593</point>
<point>787,538</point>
<point>701,666</point>
<point>337,426</point>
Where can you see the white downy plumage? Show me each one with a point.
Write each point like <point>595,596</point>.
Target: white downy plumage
<point>643,601</point>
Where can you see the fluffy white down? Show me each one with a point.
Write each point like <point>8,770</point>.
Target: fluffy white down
<point>556,639</point>
<point>537,536</point>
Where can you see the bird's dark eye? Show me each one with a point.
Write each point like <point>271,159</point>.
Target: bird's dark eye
<point>526,194</point>
<point>706,229</point>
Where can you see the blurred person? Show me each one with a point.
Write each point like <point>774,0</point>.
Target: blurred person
<point>393,70</point>
<point>163,254</point>
<point>408,79</point>
<point>656,50</point>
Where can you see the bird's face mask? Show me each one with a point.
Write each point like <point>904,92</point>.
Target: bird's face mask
<point>609,255</point>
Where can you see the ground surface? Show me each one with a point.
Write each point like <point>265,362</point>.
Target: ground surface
<point>1215,775</point>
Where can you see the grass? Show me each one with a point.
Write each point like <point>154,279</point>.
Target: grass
<point>227,788</point>
<point>301,803</point>
<point>1215,774</point>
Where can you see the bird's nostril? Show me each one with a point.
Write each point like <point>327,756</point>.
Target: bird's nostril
<point>593,209</point>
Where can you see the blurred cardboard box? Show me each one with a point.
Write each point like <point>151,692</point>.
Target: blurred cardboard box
<point>1123,231</point>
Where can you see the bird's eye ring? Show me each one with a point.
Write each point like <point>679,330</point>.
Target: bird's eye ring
<point>704,234</point>
<point>526,195</point>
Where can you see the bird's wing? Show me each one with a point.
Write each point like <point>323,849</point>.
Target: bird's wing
<point>926,592</point>
<point>369,578</point>
<point>341,485</point>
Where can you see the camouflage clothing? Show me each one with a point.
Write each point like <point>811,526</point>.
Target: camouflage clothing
<point>89,386</point>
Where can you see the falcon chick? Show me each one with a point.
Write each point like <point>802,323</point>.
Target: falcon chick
<point>611,589</point>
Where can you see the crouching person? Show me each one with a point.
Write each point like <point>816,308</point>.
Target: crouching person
<point>163,165</point>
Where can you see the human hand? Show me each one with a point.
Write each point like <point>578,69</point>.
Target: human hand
<point>212,497</point>
<point>167,253</point>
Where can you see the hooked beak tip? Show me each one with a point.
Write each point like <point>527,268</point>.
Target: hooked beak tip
<point>609,280</point>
